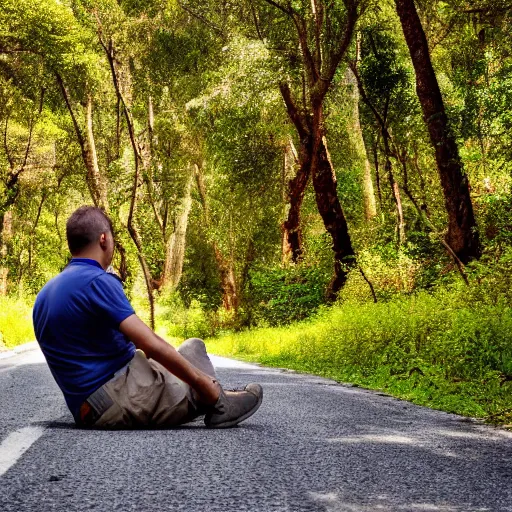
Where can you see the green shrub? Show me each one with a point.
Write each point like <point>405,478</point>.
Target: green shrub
<point>450,349</point>
<point>15,322</point>
<point>278,296</point>
<point>175,320</point>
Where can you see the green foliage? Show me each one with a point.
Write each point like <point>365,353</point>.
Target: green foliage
<point>201,89</point>
<point>200,281</point>
<point>449,349</point>
<point>278,296</point>
<point>179,321</point>
<point>15,322</point>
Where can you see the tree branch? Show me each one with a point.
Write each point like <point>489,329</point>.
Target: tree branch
<point>29,144</point>
<point>311,69</point>
<point>201,18</point>
<point>366,100</point>
<point>256,21</point>
<point>286,10</point>
<point>339,53</point>
<point>65,94</point>
<point>372,289</point>
<point>6,145</point>
<point>318,14</point>
<point>302,33</point>
<point>291,108</point>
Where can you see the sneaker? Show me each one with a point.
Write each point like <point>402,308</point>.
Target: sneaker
<point>232,407</point>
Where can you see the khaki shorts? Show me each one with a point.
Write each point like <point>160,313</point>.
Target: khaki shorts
<point>145,394</point>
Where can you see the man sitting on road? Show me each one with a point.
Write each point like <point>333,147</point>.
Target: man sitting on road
<point>113,370</point>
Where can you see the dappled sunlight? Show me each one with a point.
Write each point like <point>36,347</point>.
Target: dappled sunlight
<point>375,439</point>
<point>224,362</point>
<point>333,502</point>
<point>22,359</point>
<point>395,439</point>
<point>488,433</point>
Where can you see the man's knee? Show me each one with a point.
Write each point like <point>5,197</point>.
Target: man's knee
<point>194,345</point>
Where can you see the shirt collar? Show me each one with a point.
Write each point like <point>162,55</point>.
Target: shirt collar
<point>87,261</point>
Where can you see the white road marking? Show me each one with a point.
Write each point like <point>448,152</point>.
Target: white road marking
<point>16,444</point>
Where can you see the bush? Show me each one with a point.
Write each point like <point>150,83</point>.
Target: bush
<point>177,321</point>
<point>15,322</point>
<point>278,296</point>
<point>449,349</point>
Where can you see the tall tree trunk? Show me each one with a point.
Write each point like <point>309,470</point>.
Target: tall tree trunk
<point>395,189</point>
<point>44,196</point>
<point>370,207</point>
<point>297,185</point>
<point>287,170</point>
<point>462,235</point>
<point>375,152</point>
<point>397,198</point>
<point>329,206</point>
<point>295,196</point>
<point>386,138</point>
<point>95,180</point>
<point>290,161</point>
<point>5,233</point>
<point>175,250</point>
<point>225,266</point>
<point>322,48</point>
<point>230,296</point>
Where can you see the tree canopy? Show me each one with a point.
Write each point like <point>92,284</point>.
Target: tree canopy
<point>258,158</point>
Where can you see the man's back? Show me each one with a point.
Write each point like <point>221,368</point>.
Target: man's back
<point>76,320</point>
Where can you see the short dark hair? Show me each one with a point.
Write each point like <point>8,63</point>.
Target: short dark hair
<point>85,226</point>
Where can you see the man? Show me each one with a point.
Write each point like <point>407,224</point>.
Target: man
<point>113,370</point>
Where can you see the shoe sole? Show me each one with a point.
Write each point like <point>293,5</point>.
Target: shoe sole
<point>236,421</point>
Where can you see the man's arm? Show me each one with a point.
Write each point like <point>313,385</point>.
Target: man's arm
<point>159,350</point>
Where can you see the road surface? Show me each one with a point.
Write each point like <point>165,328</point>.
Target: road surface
<point>313,446</point>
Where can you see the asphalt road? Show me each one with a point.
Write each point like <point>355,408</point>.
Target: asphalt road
<point>313,446</point>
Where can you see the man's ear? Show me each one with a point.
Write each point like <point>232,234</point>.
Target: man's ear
<point>103,240</point>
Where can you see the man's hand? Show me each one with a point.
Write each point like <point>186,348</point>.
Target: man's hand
<point>207,389</point>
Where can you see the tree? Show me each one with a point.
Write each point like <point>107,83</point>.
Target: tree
<point>462,235</point>
<point>324,33</point>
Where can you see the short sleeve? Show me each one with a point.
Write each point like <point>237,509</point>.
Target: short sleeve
<point>107,296</point>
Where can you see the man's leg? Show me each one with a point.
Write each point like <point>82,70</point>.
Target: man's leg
<point>233,406</point>
<point>194,351</point>
<point>145,394</point>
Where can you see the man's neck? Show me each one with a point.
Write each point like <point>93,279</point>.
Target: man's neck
<point>90,255</point>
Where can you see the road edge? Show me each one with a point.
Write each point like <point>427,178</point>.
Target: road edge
<point>20,349</point>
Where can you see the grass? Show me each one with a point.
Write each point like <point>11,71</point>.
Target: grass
<point>447,350</point>
<point>15,322</point>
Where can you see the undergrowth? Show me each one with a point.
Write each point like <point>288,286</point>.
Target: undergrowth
<point>15,322</point>
<point>448,349</point>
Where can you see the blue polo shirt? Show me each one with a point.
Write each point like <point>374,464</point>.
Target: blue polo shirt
<point>76,321</point>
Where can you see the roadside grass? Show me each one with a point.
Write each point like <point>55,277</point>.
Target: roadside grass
<point>448,350</point>
<point>15,322</point>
